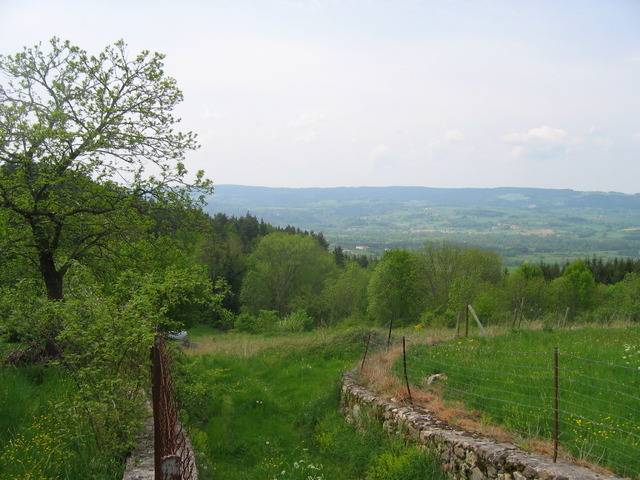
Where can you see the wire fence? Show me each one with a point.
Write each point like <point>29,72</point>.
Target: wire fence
<point>587,408</point>
<point>173,455</point>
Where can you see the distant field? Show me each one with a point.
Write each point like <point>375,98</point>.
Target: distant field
<point>521,224</point>
<point>509,380</point>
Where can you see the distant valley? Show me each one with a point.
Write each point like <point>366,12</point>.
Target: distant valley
<point>519,223</point>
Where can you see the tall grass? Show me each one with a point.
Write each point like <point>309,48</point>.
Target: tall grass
<point>509,381</point>
<point>39,436</point>
<point>275,414</point>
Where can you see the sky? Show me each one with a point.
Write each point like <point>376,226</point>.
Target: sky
<point>339,93</point>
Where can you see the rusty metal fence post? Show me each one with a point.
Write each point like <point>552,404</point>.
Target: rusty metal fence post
<point>156,388</point>
<point>173,457</point>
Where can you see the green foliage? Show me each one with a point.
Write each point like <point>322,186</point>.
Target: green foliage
<point>526,288</point>
<point>266,321</point>
<point>295,322</point>
<point>285,271</point>
<point>394,294</point>
<point>346,294</point>
<point>411,462</point>
<point>72,125</point>
<point>245,322</point>
<point>575,289</point>
<point>437,318</point>
<point>41,435</point>
<point>622,300</point>
<point>105,343</point>
<point>179,296</point>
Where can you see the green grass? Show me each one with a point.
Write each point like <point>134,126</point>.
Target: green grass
<point>259,416</point>
<point>509,380</point>
<point>38,439</point>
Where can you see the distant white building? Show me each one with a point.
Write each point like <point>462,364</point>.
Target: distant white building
<point>362,247</point>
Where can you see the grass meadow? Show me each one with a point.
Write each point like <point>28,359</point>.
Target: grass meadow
<point>268,408</point>
<point>38,439</point>
<point>508,380</point>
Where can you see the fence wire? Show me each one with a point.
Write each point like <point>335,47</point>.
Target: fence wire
<point>174,459</point>
<point>598,401</point>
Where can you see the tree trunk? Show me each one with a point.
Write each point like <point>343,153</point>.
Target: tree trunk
<point>52,277</point>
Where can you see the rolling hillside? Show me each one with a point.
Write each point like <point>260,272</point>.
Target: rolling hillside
<point>519,223</point>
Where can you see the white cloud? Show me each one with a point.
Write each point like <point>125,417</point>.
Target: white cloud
<point>306,119</point>
<point>543,133</point>
<point>379,152</point>
<point>453,136</point>
<point>307,136</point>
<point>211,115</point>
<point>540,143</point>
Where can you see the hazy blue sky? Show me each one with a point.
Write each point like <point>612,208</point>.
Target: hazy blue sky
<point>322,93</point>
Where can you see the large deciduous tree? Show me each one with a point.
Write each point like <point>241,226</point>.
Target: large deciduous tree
<point>86,143</point>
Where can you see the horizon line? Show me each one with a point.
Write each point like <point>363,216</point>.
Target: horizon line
<point>335,187</point>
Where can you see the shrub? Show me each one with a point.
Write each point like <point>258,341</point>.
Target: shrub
<point>400,465</point>
<point>298,321</point>
<point>438,318</point>
<point>486,305</point>
<point>266,321</point>
<point>245,322</point>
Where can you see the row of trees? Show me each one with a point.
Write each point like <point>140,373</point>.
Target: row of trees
<point>609,270</point>
<point>431,285</point>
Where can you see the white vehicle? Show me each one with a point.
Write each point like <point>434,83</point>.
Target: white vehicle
<point>181,335</point>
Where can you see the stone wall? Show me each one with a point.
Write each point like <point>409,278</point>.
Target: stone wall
<point>463,455</point>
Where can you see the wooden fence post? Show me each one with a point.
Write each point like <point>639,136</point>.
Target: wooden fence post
<point>466,320</point>
<point>366,349</point>
<point>566,316</point>
<point>389,336</point>
<point>473,312</point>
<point>521,313</point>
<point>404,363</point>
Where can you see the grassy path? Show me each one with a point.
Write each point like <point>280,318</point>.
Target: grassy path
<point>272,412</point>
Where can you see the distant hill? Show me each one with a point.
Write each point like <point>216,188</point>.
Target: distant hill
<point>236,195</point>
<point>518,222</point>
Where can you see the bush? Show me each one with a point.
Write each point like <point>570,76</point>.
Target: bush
<point>266,321</point>
<point>245,322</point>
<point>298,321</point>
<point>400,465</point>
<point>438,318</point>
<point>486,305</point>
